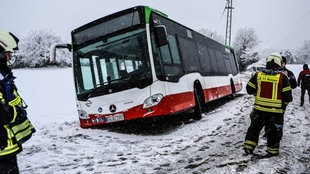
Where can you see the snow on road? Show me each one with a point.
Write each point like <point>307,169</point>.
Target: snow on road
<point>168,145</point>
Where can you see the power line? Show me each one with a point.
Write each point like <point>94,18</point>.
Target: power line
<point>220,20</point>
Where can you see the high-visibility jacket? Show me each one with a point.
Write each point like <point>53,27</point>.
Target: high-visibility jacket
<point>272,91</point>
<point>17,127</point>
<point>12,146</point>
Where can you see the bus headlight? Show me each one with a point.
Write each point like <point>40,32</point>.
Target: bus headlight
<point>153,100</point>
<point>83,114</point>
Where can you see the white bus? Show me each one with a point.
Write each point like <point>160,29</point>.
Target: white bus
<point>138,63</point>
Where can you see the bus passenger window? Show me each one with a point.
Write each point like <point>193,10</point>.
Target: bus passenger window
<point>174,49</point>
<point>165,53</point>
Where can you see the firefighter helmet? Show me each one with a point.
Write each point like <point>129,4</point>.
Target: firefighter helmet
<point>276,57</point>
<point>8,42</point>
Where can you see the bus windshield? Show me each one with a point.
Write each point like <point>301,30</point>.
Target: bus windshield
<point>114,64</point>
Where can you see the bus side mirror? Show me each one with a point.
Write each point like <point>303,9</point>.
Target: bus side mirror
<point>53,48</point>
<point>68,46</point>
<point>161,35</point>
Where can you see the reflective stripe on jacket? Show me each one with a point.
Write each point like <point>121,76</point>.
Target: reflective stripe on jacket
<point>22,129</point>
<point>21,126</point>
<point>272,91</point>
<point>12,146</point>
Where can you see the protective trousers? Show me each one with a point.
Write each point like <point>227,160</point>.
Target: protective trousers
<point>303,91</point>
<point>274,125</point>
<point>8,165</point>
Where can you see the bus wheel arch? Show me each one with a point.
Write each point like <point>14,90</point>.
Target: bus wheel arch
<point>200,105</point>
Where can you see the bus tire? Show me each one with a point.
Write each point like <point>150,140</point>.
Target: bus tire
<point>200,106</point>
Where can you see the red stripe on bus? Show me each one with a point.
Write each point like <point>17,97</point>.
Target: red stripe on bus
<point>170,104</point>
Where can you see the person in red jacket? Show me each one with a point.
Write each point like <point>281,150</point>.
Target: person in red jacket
<point>304,81</point>
<point>272,92</point>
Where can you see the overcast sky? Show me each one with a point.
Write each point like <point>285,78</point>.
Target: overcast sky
<point>280,24</point>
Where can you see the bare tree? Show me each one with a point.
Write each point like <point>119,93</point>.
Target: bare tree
<point>34,50</point>
<point>304,52</point>
<point>244,44</point>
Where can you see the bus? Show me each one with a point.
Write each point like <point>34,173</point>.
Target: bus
<point>138,63</point>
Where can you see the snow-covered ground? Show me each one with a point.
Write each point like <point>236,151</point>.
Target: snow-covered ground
<point>211,145</point>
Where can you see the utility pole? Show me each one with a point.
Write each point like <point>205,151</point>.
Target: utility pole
<point>228,22</point>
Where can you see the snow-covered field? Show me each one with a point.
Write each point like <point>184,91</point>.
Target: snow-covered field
<point>211,145</point>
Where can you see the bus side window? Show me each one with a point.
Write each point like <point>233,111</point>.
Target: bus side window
<point>172,66</point>
<point>220,63</point>
<point>157,61</point>
<point>174,49</point>
<point>169,52</point>
<point>167,59</point>
<point>189,55</point>
<point>165,53</point>
<point>227,64</point>
<point>213,61</point>
<point>233,64</point>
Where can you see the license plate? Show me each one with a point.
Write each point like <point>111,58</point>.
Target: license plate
<point>114,118</point>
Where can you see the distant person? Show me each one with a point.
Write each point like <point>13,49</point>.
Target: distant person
<point>289,74</point>
<point>304,81</point>
<point>15,128</point>
<point>272,93</point>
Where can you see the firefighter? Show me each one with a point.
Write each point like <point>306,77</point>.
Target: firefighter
<point>292,81</point>
<point>272,93</point>
<point>15,128</point>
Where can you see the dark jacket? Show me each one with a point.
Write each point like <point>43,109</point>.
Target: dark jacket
<point>291,78</point>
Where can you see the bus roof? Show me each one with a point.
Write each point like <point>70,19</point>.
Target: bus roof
<point>147,11</point>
